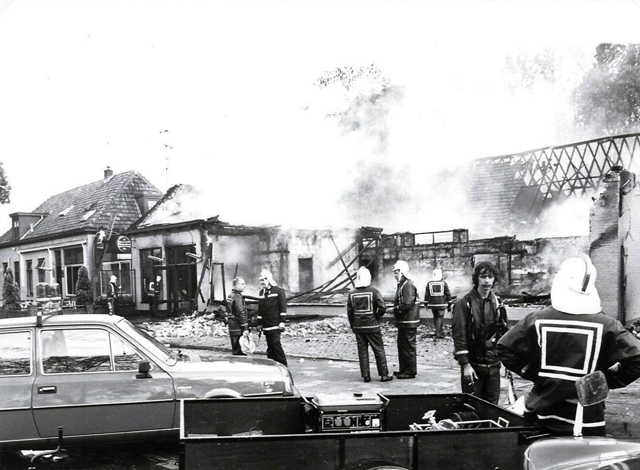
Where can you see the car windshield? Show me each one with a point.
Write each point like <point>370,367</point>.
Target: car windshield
<point>154,346</point>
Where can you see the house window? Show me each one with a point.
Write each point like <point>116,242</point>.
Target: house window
<point>30,277</point>
<point>16,272</point>
<point>41,270</point>
<point>148,264</point>
<point>5,266</point>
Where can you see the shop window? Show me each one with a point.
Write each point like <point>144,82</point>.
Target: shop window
<point>148,271</point>
<point>122,271</point>
<point>73,256</point>
<point>71,275</point>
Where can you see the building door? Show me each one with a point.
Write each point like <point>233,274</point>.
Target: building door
<point>305,274</point>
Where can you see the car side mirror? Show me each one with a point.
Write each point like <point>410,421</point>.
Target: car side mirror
<point>592,388</point>
<point>143,370</point>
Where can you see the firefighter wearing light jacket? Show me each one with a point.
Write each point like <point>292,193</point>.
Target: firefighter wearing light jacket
<point>272,313</point>
<point>365,307</point>
<point>437,297</point>
<point>406,312</point>
<point>556,346</point>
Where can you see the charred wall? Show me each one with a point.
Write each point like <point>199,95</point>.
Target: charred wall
<point>525,266</point>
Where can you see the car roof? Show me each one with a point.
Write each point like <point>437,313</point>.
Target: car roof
<point>55,320</point>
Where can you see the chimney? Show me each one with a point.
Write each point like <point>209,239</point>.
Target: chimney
<point>108,173</point>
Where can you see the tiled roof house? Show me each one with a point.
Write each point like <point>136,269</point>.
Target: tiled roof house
<point>49,244</point>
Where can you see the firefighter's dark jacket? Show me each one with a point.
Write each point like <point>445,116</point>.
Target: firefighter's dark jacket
<point>572,345</point>
<point>406,305</point>
<point>272,308</point>
<point>236,313</point>
<point>365,306</point>
<point>475,334</point>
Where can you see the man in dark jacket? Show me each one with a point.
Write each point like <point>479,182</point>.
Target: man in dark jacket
<point>406,312</point>
<point>437,297</point>
<point>272,312</point>
<point>237,319</point>
<point>556,346</point>
<point>365,307</point>
<point>479,319</point>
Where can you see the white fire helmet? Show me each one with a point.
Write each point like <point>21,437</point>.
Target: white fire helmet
<point>403,267</point>
<point>437,275</point>
<point>363,277</point>
<point>269,276</point>
<point>573,290</point>
<point>114,279</point>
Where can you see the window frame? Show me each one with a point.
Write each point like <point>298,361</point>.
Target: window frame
<point>110,335</point>
<point>31,361</point>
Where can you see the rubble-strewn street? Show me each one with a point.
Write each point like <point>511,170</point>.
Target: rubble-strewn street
<point>329,338</point>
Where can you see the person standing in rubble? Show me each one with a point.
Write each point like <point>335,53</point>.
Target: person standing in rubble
<point>237,319</point>
<point>556,346</point>
<point>479,319</point>
<point>154,293</point>
<point>113,294</point>
<point>272,313</point>
<point>365,307</point>
<point>406,312</point>
<point>437,298</point>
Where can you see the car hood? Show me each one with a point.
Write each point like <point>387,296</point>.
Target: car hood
<point>246,376</point>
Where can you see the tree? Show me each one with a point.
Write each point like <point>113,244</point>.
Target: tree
<point>10,290</point>
<point>608,99</point>
<point>5,189</point>
<point>84,292</point>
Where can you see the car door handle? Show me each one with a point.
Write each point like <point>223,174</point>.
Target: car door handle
<point>48,389</point>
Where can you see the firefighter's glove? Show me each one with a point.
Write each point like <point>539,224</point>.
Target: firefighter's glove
<point>281,326</point>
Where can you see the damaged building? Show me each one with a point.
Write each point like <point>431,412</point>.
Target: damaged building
<point>122,225</point>
<point>197,255</point>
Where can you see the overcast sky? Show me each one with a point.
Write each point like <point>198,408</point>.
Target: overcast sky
<point>224,95</point>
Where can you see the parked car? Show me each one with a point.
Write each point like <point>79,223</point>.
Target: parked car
<point>102,379</point>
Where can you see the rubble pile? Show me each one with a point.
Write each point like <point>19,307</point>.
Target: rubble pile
<point>189,326</point>
<point>209,325</point>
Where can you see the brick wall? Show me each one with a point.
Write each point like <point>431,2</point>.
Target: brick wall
<point>605,244</point>
<point>630,236</point>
